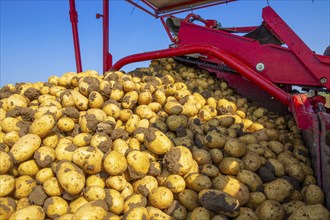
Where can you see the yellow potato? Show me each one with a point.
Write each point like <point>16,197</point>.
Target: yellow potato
<point>55,206</point>
<point>7,183</point>
<point>25,147</point>
<point>6,163</point>
<point>43,125</point>
<point>28,212</point>
<point>115,163</point>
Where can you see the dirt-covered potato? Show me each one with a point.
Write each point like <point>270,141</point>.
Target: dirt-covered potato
<point>136,213</point>
<point>312,195</point>
<point>43,125</point>
<point>70,177</point>
<point>138,164</point>
<point>291,206</point>
<point>246,214</point>
<point>251,180</point>
<point>189,199</point>
<point>270,209</point>
<point>279,190</point>
<point>89,159</point>
<point>92,193</point>
<point>44,156</point>
<point>218,201</point>
<point>55,207</point>
<point>233,187</point>
<point>155,213</point>
<point>198,182</point>
<point>161,197</point>
<point>305,212</point>
<point>231,165</point>
<point>144,185</point>
<point>178,160</point>
<point>234,147</point>
<point>133,201</point>
<point>24,185</point>
<point>200,213</point>
<point>114,200</point>
<point>157,142</point>
<point>7,207</point>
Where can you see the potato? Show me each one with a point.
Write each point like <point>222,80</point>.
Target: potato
<point>231,165</point>
<point>218,201</point>
<point>43,125</point>
<point>29,212</point>
<point>270,209</point>
<point>138,164</point>
<point>7,207</point>
<point>52,187</point>
<point>11,137</point>
<point>189,199</point>
<point>173,122</point>
<point>114,200</point>
<point>216,155</point>
<point>178,160</point>
<point>177,211</point>
<point>127,191</point>
<point>251,180</point>
<point>77,203</point>
<point>44,156</point>
<point>209,170</point>
<point>24,185</point>
<point>132,123</point>
<point>120,146</point>
<point>25,147</point>
<point>70,177</point>
<point>95,100</point>
<point>246,213</point>
<point>7,183</point>
<point>291,206</point>
<point>144,185</point>
<point>80,101</point>
<point>92,210</point>
<point>279,190</point>
<point>200,213</point>
<point>116,182</point>
<point>130,99</point>
<point>9,124</point>
<point>312,195</point>
<point>133,201</point>
<point>201,156</point>
<point>136,213</point>
<point>175,183</point>
<point>198,182</point>
<point>29,168</point>
<point>215,139</point>
<point>88,158</point>
<point>55,207</point>
<point>295,170</point>
<point>160,197</point>
<point>157,142</point>
<point>234,147</point>
<point>6,163</point>
<point>154,213</point>
<point>96,180</point>
<point>252,161</point>
<point>305,212</point>
<point>92,193</point>
<point>65,124</point>
<point>233,187</point>
<point>144,112</point>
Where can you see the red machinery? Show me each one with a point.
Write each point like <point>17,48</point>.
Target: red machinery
<point>266,63</point>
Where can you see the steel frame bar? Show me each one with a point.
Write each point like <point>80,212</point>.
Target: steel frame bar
<point>74,20</point>
<point>107,57</point>
<point>222,55</point>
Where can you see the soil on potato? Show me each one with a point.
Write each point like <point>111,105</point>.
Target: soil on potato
<point>71,112</point>
<point>37,196</point>
<point>172,158</point>
<point>27,114</point>
<point>93,84</point>
<point>32,93</point>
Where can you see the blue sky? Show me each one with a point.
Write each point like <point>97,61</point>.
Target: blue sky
<point>36,37</point>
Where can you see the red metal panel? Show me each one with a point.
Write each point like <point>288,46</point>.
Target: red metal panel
<point>281,64</point>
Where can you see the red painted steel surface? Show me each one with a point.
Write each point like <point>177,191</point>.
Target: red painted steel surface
<point>74,20</point>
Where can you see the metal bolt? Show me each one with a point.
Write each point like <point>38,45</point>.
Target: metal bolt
<point>323,80</point>
<point>260,67</point>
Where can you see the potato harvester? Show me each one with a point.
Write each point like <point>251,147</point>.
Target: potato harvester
<point>269,64</point>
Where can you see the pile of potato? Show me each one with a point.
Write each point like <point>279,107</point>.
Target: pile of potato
<point>164,142</point>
